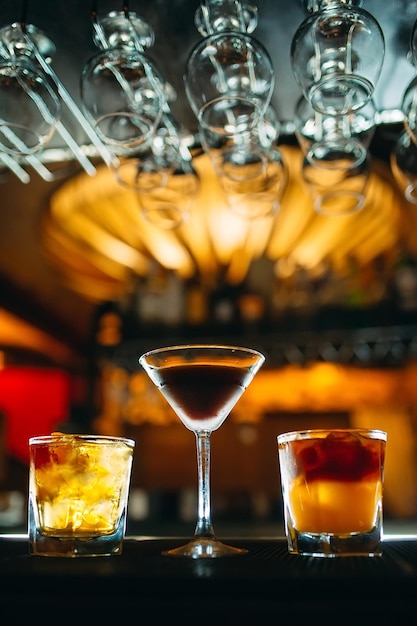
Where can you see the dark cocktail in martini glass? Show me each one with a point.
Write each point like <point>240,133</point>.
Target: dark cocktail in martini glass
<point>202,383</point>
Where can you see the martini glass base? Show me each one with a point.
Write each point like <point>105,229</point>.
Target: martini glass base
<point>205,549</point>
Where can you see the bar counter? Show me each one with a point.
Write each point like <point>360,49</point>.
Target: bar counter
<point>267,585</point>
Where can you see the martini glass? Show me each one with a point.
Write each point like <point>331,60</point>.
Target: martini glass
<point>202,383</point>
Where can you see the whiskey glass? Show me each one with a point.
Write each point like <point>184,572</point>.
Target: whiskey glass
<point>332,487</point>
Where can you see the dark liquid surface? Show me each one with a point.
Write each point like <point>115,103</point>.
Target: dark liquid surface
<point>203,391</point>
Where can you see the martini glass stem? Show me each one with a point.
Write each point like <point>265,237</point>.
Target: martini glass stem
<point>204,528</point>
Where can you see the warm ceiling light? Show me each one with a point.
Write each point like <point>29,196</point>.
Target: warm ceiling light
<point>102,222</point>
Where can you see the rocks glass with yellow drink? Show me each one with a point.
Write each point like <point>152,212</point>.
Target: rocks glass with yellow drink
<point>332,482</point>
<point>78,494</point>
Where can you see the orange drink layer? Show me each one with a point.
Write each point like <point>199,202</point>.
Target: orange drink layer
<point>333,482</point>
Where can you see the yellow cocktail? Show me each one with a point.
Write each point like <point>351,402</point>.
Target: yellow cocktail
<point>79,486</point>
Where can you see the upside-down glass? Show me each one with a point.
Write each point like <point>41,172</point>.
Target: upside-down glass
<point>202,384</point>
<point>409,100</point>
<point>332,488</point>
<point>251,170</point>
<point>337,181</point>
<point>409,109</point>
<point>30,106</point>
<point>412,53</point>
<point>122,92</point>
<point>226,15</point>
<point>403,160</point>
<point>150,165</point>
<point>169,206</point>
<point>337,55</point>
<point>229,80</point>
<point>78,494</point>
<point>314,130</point>
<point>258,195</point>
<point>241,155</point>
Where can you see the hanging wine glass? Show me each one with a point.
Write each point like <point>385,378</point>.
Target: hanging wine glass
<point>150,166</point>
<point>412,52</point>
<point>251,171</point>
<point>238,155</point>
<point>409,109</point>
<point>122,92</point>
<point>168,206</point>
<point>409,99</point>
<point>229,77</point>
<point>337,182</point>
<point>30,106</point>
<point>229,81</point>
<point>317,133</point>
<point>337,55</point>
<point>227,15</point>
<point>261,195</point>
<point>241,155</point>
<point>403,161</point>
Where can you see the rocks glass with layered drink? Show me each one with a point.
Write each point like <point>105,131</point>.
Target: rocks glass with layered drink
<point>332,483</point>
<point>78,494</point>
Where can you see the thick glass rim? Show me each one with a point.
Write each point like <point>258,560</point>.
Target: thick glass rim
<point>65,437</point>
<point>373,433</point>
